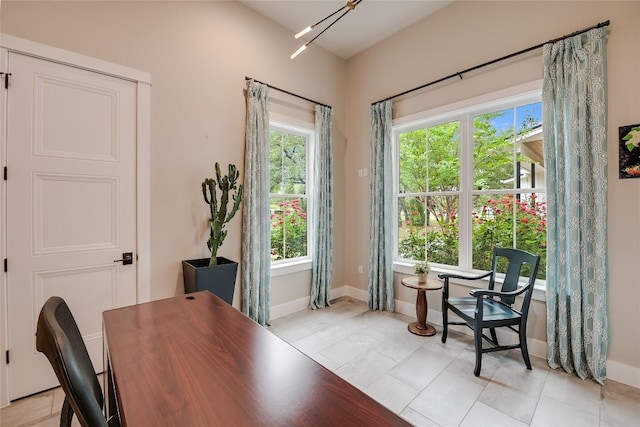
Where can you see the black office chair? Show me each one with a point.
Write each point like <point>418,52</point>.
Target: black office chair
<point>59,338</point>
<point>482,310</point>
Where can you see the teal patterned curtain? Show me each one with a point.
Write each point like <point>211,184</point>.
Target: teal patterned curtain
<point>256,233</point>
<point>575,153</point>
<point>322,210</point>
<point>381,295</point>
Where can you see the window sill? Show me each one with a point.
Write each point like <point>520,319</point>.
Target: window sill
<point>288,267</point>
<point>539,290</point>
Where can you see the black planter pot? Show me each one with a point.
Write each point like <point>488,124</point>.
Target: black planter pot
<point>219,279</point>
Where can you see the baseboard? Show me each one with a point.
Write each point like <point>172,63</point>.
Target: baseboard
<point>356,293</point>
<point>289,307</point>
<point>622,373</point>
<point>616,371</point>
<point>339,292</point>
<point>300,304</point>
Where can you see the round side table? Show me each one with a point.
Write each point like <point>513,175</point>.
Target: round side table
<point>420,327</point>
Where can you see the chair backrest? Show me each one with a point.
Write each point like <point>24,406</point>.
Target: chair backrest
<point>59,338</point>
<point>515,259</point>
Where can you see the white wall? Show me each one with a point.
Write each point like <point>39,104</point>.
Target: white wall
<point>468,33</point>
<point>198,54</point>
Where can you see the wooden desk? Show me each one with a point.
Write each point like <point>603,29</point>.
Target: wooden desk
<point>199,362</point>
<point>420,327</point>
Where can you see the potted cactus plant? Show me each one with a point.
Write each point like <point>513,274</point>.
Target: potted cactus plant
<point>216,274</point>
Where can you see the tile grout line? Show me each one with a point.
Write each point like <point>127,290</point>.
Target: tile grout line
<point>539,398</point>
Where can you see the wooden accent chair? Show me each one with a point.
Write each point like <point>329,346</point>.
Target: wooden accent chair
<point>491,309</point>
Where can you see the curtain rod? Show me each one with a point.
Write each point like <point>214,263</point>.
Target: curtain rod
<point>460,73</point>
<point>288,93</point>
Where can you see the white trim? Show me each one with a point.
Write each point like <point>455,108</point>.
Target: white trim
<point>4,332</point>
<point>281,267</point>
<point>356,293</point>
<point>290,122</point>
<point>338,292</point>
<point>143,202</point>
<point>289,307</point>
<point>143,147</point>
<point>629,375</point>
<point>490,100</point>
<point>61,56</point>
<point>298,264</point>
<point>288,125</point>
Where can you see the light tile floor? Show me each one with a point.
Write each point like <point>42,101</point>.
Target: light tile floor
<point>426,382</point>
<point>41,410</point>
<point>432,384</point>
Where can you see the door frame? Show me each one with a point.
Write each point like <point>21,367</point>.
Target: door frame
<point>142,80</point>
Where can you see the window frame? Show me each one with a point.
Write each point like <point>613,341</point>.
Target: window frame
<point>306,130</point>
<point>462,111</point>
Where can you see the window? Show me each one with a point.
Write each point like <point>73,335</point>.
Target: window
<point>470,180</point>
<point>288,191</point>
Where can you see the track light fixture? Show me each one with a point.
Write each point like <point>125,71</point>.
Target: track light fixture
<point>351,4</point>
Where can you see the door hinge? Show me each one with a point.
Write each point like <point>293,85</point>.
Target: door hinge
<point>5,173</point>
<point>6,263</point>
<point>6,79</point>
<point>7,357</point>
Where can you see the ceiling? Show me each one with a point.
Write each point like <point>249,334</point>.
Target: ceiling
<point>370,22</point>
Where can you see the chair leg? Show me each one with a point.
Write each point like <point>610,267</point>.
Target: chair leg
<point>523,346</point>
<point>494,337</point>
<point>477,334</point>
<point>66,414</point>
<point>113,421</point>
<point>445,324</point>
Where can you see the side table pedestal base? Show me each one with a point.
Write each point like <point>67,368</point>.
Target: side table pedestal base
<point>427,331</point>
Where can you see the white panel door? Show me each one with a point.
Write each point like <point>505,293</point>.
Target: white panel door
<point>71,146</point>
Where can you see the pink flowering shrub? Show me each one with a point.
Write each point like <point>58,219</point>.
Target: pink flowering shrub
<point>289,230</point>
<point>493,223</point>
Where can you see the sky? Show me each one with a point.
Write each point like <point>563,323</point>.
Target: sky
<point>506,120</point>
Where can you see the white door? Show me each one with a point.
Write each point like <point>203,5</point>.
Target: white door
<point>71,192</point>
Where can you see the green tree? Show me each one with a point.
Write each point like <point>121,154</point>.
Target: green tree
<point>287,163</point>
<point>430,163</point>
<point>493,153</point>
<point>288,178</point>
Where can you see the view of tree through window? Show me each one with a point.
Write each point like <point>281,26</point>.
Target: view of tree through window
<point>504,203</point>
<point>288,193</point>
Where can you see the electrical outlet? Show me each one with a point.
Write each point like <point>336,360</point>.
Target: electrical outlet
<point>360,269</point>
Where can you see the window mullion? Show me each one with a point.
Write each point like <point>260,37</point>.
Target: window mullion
<point>516,178</point>
<point>466,184</point>
<point>310,182</point>
<point>395,161</point>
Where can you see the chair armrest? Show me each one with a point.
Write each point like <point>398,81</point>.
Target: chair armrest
<point>447,276</point>
<point>478,293</point>
<point>460,276</point>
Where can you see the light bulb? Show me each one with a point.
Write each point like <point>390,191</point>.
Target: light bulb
<point>299,51</point>
<point>305,31</point>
